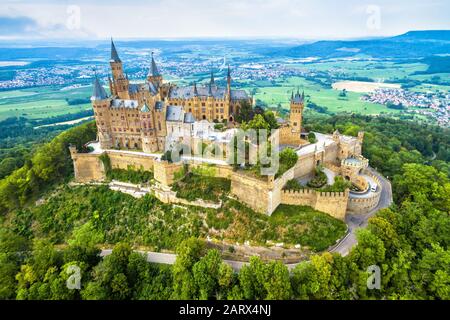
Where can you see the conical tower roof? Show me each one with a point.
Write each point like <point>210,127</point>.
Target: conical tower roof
<point>114,55</point>
<point>153,72</point>
<point>99,92</point>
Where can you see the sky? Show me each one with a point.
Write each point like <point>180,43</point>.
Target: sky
<point>298,19</point>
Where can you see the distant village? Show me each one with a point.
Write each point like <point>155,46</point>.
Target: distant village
<point>431,104</point>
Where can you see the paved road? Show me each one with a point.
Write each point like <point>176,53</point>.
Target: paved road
<point>355,221</point>
<point>169,258</point>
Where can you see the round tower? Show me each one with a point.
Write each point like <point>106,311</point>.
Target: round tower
<point>101,103</point>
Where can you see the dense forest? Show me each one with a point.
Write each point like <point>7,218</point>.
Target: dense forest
<point>408,241</point>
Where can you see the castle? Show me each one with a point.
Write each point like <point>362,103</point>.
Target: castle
<point>138,122</point>
<point>141,116</point>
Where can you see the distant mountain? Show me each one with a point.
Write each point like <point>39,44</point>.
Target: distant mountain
<point>413,44</point>
<point>443,35</point>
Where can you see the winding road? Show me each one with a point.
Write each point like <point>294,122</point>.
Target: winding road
<point>356,221</point>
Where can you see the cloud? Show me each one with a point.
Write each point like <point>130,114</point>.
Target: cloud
<point>24,27</point>
<point>13,26</point>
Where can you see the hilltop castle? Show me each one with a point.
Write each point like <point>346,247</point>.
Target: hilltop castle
<point>138,116</point>
<point>137,122</point>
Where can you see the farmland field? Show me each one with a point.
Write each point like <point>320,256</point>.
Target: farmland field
<point>43,102</point>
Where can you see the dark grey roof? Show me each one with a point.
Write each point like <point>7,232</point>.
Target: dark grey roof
<point>174,113</point>
<point>216,92</point>
<point>153,88</point>
<point>154,72</point>
<point>159,105</point>
<point>239,94</point>
<point>297,97</point>
<point>133,88</point>
<point>145,108</point>
<point>189,118</point>
<point>99,92</point>
<point>114,55</point>
<point>195,89</point>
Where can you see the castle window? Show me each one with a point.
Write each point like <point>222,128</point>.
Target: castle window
<point>203,104</point>
<point>101,114</point>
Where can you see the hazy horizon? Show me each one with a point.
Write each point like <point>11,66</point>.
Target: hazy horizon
<point>214,19</point>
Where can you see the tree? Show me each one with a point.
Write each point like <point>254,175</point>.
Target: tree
<point>206,272</point>
<point>269,117</point>
<point>245,112</point>
<point>188,253</point>
<point>277,284</point>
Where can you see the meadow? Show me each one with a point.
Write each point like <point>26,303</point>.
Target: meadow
<point>42,102</point>
<point>280,94</point>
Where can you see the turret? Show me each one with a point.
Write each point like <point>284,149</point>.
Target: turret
<point>100,104</point>
<point>153,75</point>
<point>296,112</point>
<point>211,81</point>
<point>120,82</point>
<point>361,136</point>
<point>229,82</point>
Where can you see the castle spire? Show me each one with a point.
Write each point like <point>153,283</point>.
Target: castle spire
<point>154,72</point>
<point>195,89</point>
<point>114,55</point>
<point>99,92</point>
<point>229,72</point>
<point>211,82</point>
<point>210,90</point>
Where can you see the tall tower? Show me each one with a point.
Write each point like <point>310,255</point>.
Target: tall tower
<point>100,104</point>
<point>120,82</point>
<point>153,75</point>
<point>296,113</point>
<point>229,82</point>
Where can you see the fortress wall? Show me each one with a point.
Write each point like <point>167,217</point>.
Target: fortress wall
<point>305,165</point>
<point>121,160</point>
<point>365,205</point>
<point>252,191</point>
<point>333,203</point>
<point>306,197</point>
<point>331,154</point>
<point>87,167</point>
<point>218,171</point>
<point>333,167</point>
<point>289,137</point>
<point>167,173</point>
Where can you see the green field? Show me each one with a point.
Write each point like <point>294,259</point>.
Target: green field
<point>377,70</point>
<point>281,92</point>
<point>43,102</point>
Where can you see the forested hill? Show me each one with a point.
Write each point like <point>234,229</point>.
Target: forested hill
<point>414,44</point>
<point>409,242</point>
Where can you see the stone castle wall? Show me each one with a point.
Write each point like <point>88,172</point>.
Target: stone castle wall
<point>88,167</point>
<point>254,192</point>
<point>122,160</point>
<point>333,203</point>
